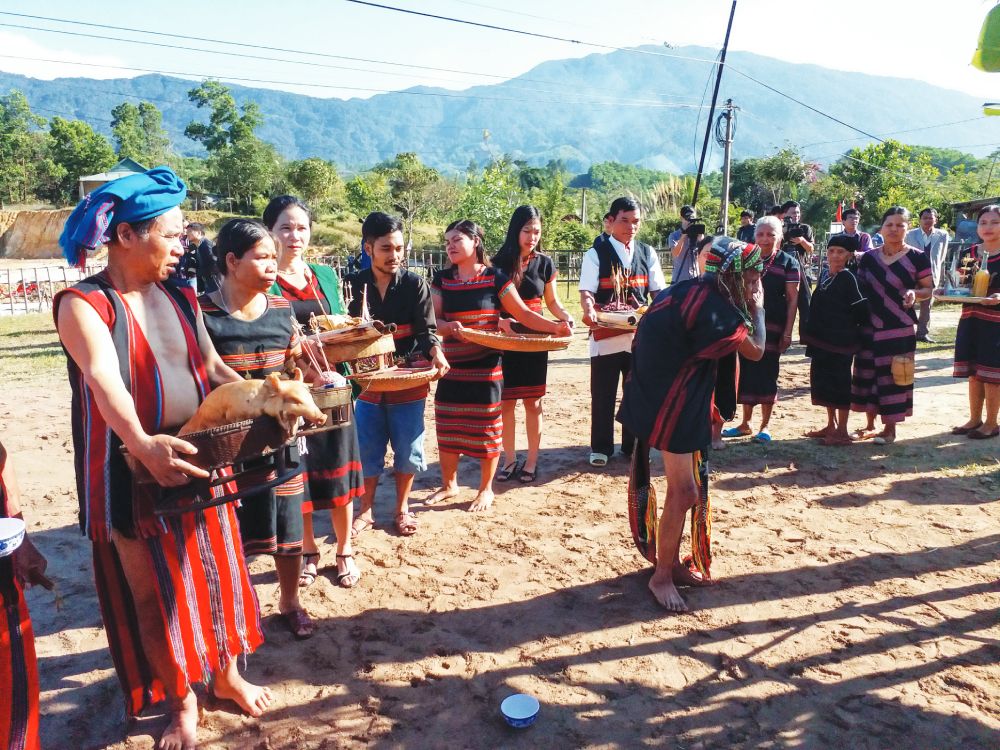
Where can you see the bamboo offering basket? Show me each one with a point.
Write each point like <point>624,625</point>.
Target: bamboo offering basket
<point>517,342</point>
<point>396,379</point>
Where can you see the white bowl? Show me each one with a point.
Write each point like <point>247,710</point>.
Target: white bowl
<point>11,535</point>
<point>520,710</point>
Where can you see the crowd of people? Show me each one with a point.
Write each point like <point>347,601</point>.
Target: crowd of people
<point>148,337</point>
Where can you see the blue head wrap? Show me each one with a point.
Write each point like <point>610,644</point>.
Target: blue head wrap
<point>131,199</point>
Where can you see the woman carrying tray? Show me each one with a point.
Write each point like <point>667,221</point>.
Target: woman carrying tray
<point>333,476</point>
<point>977,342</point>
<point>471,293</point>
<point>524,373</point>
<point>252,332</point>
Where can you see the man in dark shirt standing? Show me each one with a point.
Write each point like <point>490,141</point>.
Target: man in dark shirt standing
<point>746,231</point>
<point>394,295</point>
<point>799,244</point>
<point>199,261</point>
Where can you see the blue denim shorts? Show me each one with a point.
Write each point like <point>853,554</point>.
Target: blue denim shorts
<point>402,425</point>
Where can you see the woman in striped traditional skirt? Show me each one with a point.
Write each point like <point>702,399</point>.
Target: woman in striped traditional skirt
<point>524,373</point>
<point>333,475</point>
<point>252,331</point>
<point>977,343</point>
<point>471,293</point>
<point>892,277</point>
<point>758,381</point>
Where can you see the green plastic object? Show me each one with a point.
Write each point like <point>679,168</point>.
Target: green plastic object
<point>991,108</point>
<point>987,55</point>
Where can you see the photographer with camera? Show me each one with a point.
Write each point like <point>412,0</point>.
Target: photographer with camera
<point>683,246</point>
<point>799,244</point>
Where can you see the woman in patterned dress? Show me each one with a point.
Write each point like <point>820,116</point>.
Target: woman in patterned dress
<point>471,293</point>
<point>893,278</point>
<point>252,332</point>
<point>977,342</point>
<point>524,373</point>
<point>758,381</point>
<point>333,475</point>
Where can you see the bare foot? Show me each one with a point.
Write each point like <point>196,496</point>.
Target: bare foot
<point>667,595</point>
<point>718,445</point>
<point>864,433</point>
<point>483,501</point>
<point>837,438</point>
<point>182,731</point>
<point>685,574</point>
<point>826,431</point>
<point>253,699</point>
<point>445,493</point>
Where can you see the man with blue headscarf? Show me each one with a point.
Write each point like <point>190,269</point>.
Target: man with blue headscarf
<point>175,594</point>
<point>668,399</point>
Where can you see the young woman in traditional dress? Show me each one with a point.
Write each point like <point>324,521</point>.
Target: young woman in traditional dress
<point>333,475</point>
<point>893,278</point>
<point>472,293</point>
<point>252,332</point>
<point>977,343</point>
<point>758,381</point>
<point>524,373</point>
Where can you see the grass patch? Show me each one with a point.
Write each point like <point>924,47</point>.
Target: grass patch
<point>29,348</point>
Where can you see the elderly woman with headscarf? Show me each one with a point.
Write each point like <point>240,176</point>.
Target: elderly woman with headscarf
<point>667,401</point>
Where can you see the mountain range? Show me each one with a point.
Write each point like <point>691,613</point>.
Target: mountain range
<point>639,108</point>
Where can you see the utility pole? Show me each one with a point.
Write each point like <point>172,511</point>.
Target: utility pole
<point>711,112</point>
<point>730,115</point>
<point>583,206</point>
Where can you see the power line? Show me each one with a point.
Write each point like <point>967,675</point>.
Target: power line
<point>405,92</point>
<point>633,50</point>
<point>306,53</point>
<point>900,132</point>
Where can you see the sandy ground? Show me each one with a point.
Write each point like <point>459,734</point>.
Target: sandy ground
<point>857,605</point>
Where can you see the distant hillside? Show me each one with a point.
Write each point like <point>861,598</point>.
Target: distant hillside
<point>561,109</point>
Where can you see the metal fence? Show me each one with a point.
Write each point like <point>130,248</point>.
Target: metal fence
<point>31,289</point>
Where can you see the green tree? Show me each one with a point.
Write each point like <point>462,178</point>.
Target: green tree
<point>489,200</point>
<point>155,141</point>
<point>316,181</point>
<point>367,193</point>
<point>888,174</point>
<point>126,127</point>
<point>412,188</point>
<point>77,150</point>
<point>22,149</point>
<point>240,164</point>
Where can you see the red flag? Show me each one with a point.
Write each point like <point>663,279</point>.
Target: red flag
<point>852,205</point>
<point>840,208</point>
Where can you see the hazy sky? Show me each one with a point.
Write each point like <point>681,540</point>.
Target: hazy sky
<point>907,38</point>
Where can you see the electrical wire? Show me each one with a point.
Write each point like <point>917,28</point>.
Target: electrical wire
<point>405,92</point>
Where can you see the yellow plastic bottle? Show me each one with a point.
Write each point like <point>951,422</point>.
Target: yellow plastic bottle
<point>980,283</point>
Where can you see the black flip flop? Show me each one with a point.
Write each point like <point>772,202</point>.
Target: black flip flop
<point>510,471</point>
<point>527,477</point>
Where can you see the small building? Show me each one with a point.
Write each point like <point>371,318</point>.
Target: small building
<point>89,183</point>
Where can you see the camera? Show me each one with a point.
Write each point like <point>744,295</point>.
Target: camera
<point>794,230</point>
<point>693,231</point>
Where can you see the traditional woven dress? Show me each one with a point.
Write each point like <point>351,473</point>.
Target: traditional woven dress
<point>333,475</point>
<point>837,313</point>
<point>467,401</point>
<point>525,373</point>
<point>890,333</point>
<point>18,666</point>
<point>270,522</point>
<point>977,342</point>
<point>758,382</point>
<point>195,559</point>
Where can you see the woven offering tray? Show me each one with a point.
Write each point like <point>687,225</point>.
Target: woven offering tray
<point>336,403</point>
<point>365,354</point>
<point>517,342</point>
<point>964,298</point>
<point>222,447</point>
<point>396,379</point>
